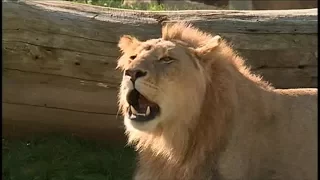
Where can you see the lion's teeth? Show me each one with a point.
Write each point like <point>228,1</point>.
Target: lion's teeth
<point>148,111</point>
<point>133,110</point>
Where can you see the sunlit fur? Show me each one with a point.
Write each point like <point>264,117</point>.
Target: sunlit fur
<point>217,119</point>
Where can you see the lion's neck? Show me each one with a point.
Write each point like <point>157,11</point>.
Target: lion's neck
<point>184,150</point>
<point>189,150</point>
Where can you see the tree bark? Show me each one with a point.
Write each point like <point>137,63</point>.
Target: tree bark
<point>59,57</point>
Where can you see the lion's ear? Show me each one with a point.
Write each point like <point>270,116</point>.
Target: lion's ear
<point>127,43</point>
<point>209,46</point>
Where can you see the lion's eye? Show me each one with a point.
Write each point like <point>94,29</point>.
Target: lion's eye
<point>166,59</point>
<point>133,57</point>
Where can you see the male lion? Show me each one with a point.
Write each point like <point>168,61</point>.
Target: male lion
<point>195,112</point>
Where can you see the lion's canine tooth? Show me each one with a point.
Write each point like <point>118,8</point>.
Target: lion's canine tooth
<point>148,111</point>
<point>133,110</point>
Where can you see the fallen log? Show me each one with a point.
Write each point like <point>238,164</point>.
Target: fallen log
<point>59,57</point>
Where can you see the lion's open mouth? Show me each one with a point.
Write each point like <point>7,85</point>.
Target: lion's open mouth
<point>141,109</point>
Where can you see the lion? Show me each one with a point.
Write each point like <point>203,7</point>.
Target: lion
<point>194,111</point>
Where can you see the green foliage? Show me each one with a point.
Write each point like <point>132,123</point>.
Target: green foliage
<point>107,3</point>
<point>148,6</point>
<point>119,4</point>
<point>65,158</point>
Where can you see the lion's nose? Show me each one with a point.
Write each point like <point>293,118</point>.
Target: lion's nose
<point>135,74</point>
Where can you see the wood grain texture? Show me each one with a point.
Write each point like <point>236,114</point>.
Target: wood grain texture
<point>58,92</point>
<point>291,77</point>
<point>37,119</point>
<point>62,55</point>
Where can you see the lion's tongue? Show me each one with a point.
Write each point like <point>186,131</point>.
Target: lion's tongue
<point>143,104</point>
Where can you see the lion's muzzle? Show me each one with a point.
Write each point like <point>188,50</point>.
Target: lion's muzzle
<point>141,109</point>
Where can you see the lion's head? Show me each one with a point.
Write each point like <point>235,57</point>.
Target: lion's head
<point>164,80</point>
<point>174,85</point>
<point>194,110</point>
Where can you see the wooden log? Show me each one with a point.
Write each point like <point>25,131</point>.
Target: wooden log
<point>291,77</point>
<point>59,57</point>
<point>25,118</point>
<point>58,92</point>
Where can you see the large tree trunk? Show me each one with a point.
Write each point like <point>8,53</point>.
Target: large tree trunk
<point>59,58</point>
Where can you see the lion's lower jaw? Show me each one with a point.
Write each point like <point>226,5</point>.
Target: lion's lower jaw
<point>141,126</point>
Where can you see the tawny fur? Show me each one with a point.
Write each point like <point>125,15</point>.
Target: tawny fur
<point>228,123</point>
